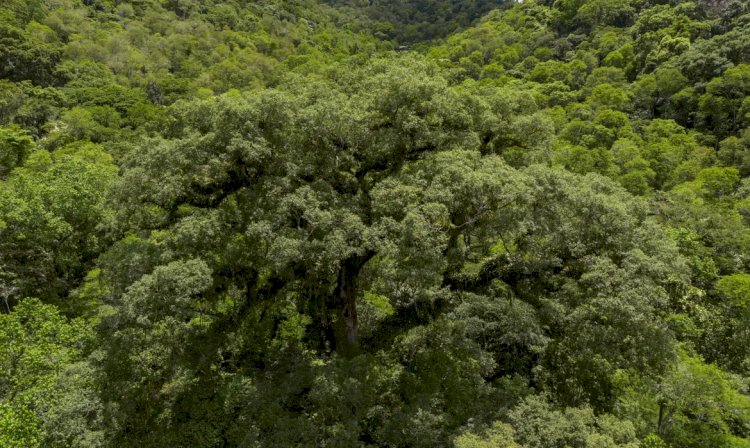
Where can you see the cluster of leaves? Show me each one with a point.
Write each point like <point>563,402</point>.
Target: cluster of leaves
<point>47,395</point>
<point>249,224</point>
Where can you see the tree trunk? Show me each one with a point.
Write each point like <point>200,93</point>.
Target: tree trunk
<point>661,418</point>
<point>347,343</point>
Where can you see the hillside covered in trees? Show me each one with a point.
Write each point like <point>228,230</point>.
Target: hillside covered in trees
<point>383,223</point>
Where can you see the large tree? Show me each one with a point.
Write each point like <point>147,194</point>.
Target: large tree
<point>261,226</point>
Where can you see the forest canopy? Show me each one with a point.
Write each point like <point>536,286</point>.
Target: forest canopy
<point>339,223</point>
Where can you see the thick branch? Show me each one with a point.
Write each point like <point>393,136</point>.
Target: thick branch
<point>345,294</point>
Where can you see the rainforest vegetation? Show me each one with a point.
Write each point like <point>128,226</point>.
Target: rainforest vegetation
<point>375,223</point>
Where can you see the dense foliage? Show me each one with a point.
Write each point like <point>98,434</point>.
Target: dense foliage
<point>375,224</point>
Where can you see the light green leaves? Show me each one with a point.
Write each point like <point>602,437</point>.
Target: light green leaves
<point>52,209</point>
<point>735,289</point>
<point>37,346</point>
<point>15,146</point>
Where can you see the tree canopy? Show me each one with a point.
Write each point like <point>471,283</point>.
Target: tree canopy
<point>374,224</point>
